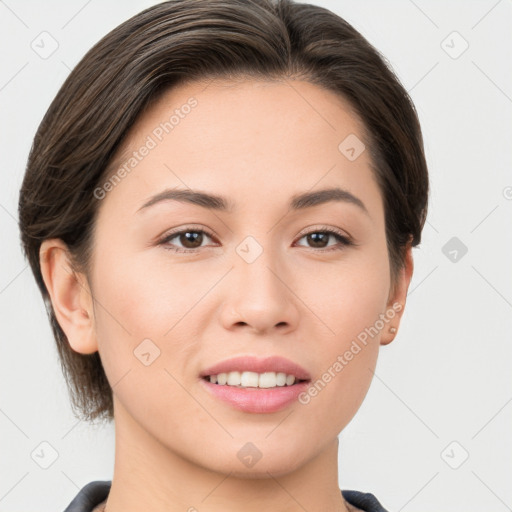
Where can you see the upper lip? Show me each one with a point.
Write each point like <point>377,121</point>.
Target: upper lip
<point>276,364</point>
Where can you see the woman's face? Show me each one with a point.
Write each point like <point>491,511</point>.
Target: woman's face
<point>259,277</point>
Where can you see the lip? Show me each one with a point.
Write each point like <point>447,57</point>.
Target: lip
<point>256,400</point>
<point>259,365</point>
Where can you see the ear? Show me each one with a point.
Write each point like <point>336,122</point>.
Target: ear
<point>70,296</point>
<point>397,297</point>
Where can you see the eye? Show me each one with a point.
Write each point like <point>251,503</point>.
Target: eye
<point>320,239</point>
<point>189,238</point>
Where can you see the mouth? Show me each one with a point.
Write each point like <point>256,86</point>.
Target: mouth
<point>256,400</point>
<point>255,385</point>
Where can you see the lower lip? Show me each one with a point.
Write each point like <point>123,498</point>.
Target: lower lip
<point>257,400</point>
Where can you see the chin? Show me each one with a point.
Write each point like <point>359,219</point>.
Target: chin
<point>261,472</point>
<point>272,464</point>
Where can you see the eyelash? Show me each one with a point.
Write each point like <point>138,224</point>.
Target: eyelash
<point>342,239</point>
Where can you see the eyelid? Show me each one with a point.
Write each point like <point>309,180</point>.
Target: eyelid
<point>319,228</point>
<point>183,229</point>
<point>187,227</point>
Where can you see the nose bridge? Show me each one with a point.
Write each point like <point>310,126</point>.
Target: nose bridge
<point>255,269</point>
<point>259,297</point>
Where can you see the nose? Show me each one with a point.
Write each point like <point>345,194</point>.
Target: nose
<point>259,297</point>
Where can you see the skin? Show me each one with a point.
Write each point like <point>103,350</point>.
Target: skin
<point>257,143</point>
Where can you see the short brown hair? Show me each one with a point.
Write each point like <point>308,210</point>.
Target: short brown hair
<point>185,40</point>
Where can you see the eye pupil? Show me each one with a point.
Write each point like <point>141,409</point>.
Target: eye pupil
<point>191,236</point>
<point>318,237</point>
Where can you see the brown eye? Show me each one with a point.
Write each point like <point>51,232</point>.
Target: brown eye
<point>191,239</point>
<point>185,240</point>
<point>320,240</point>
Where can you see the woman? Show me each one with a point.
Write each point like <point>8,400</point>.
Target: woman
<point>219,208</point>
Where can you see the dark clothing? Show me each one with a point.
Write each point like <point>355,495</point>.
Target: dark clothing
<point>364,500</point>
<point>95,492</point>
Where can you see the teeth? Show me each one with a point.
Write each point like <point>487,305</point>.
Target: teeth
<point>249,380</point>
<point>253,379</point>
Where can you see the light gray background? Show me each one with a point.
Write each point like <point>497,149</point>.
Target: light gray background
<point>442,390</point>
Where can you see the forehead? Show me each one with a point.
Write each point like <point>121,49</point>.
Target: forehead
<point>245,136</point>
<point>236,111</point>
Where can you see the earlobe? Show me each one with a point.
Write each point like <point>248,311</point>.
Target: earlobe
<point>398,297</point>
<point>70,296</point>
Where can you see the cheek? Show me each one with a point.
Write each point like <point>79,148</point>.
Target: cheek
<point>348,296</point>
<point>348,355</point>
<point>144,297</point>
<point>147,310</point>
<point>350,302</point>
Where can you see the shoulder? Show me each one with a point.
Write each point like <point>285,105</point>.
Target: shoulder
<point>90,496</point>
<point>362,501</point>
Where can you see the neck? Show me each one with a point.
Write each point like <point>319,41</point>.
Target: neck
<point>149,476</point>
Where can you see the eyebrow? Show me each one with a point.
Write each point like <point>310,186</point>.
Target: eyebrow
<point>220,203</point>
